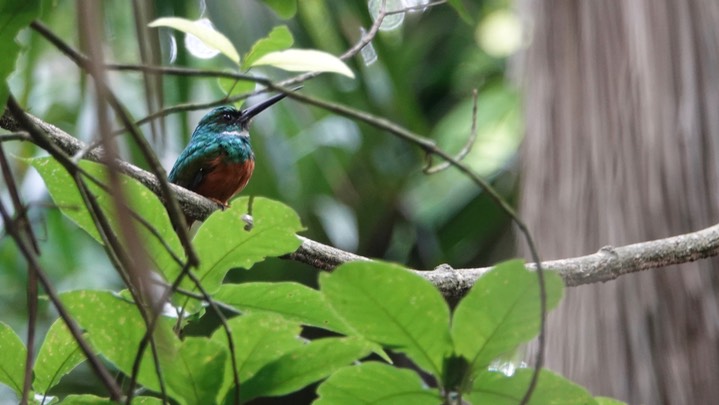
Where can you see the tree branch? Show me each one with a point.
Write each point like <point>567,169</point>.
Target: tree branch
<point>607,264</point>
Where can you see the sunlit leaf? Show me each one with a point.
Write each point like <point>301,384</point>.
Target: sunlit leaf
<point>389,305</point>
<point>222,242</point>
<point>285,9</point>
<point>58,355</point>
<point>88,399</point>
<point>495,388</point>
<point>376,383</point>
<point>196,372</point>
<point>258,340</point>
<point>12,359</point>
<point>305,60</point>
<point>207,35</point>
<point>500,312</point>
<point>155,231</point>
<point>292,301</point>
<point>303,366</point>
<point>115,328</point>
<point>14,16</point>
<point>278,39</point>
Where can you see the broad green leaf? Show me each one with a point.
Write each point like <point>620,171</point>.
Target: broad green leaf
<point>88,399</point>
<point>278,39</point>
<point>58,355</point>
<point>14,16</point>
<point>492,387</point>
<point>376,383</point>
<point>115,328</point>
<point>293,301</point>
<point>500,312</point>
<point>195,374</point>
<point>305,60</point>
<point>233,87</point>
<point>258,339</point>
<point>391,306</point>
<point>285,9</point>
<point>222,243</point>
<point>65,194</point>
<point>12,359</point>
<point>209,36</point>
<point>303,366</point>
<point>608,401</point>
<point>139,198</point>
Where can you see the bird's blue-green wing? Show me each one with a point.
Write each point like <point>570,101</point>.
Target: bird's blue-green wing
<point>194,163</point>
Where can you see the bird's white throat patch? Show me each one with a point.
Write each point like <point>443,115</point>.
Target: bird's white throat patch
<point>244,134</point>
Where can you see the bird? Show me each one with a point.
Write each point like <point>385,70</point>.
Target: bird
<point>218,161</point>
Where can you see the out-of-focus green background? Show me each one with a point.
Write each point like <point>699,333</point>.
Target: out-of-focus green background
<point>354,187</point>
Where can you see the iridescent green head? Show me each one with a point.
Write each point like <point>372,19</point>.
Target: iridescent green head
<point>228,120</point>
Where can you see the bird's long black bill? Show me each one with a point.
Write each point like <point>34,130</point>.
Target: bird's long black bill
<point>258,108</point>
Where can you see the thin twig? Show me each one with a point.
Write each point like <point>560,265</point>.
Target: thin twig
<point>228,333</point>
<point>114,245</point>
<point>429,169</point>
<point>23,224</point>
<point>173,208</point>
<point>15,136</point>
<point>95,363</point>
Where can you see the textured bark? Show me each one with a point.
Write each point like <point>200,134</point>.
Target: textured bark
<point>622,135</point>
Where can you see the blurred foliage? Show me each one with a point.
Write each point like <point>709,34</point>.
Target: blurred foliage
<point>353,186</point>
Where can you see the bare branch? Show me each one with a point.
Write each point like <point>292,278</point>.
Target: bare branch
<point>605,265</point>
<point>467,146</point>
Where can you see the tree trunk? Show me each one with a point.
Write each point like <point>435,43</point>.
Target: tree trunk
<point>622,140</point>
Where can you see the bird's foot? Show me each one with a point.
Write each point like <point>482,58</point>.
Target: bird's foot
<point>223,205</point>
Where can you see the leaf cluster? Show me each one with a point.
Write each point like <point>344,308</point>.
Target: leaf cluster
<point>369,309</point>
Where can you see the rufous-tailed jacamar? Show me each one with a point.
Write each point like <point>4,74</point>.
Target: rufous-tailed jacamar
<point>218,162</point>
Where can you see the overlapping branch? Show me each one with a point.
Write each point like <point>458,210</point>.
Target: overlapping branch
<point>609,263</point>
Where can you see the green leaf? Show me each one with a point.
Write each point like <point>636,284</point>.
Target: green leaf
<point>14,16</point>
<point>233,87</point>
<point>65,194</point>
<point>115,328</point>
<point>12,359</point>
<point>303,366</point>
<point>376,383</point>
<point>88,399</point>
<point>140,199</point>
<point>500,312</point>
<point>278,39</point>
<point>461,10</point>
<point>608,401</point>
<point>207,35</point>
<point>495,388</point>
<point>293,301</point>
<point>196,375</point>
<point>389,305</point>
<point>285,9</point>
<point>258,339</point>
<point>59,354</point>
<point>305,60</point>
<point>222,243</point>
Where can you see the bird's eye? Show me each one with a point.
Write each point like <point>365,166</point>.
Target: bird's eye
<point>227,117</point>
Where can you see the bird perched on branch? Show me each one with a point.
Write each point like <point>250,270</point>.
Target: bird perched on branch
<point>218,162</point>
